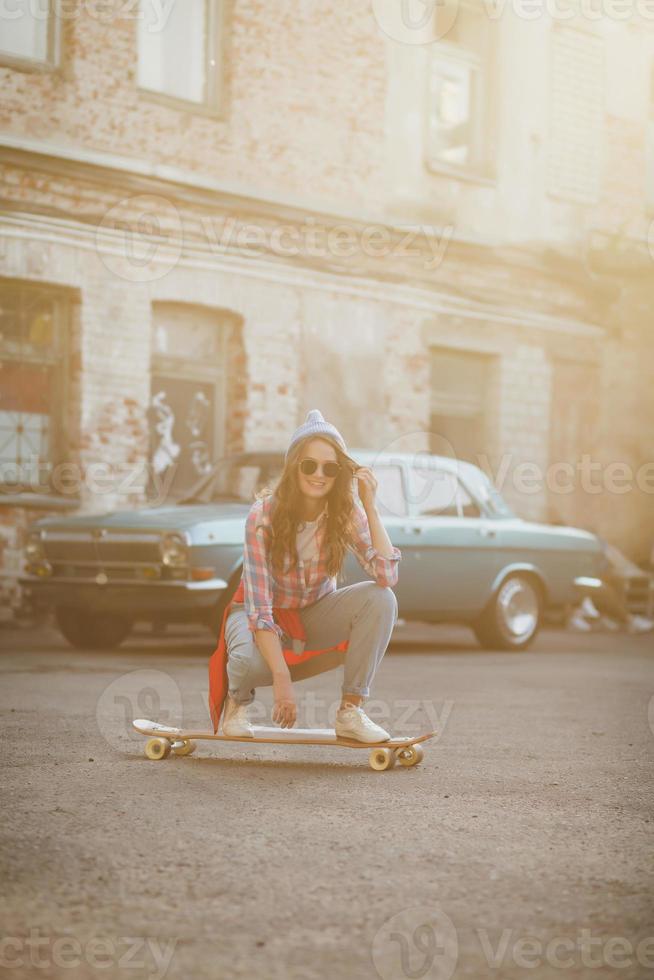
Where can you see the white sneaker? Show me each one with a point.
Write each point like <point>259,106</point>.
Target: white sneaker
<point>353,722</point>
<point>588,609</point>
<point>235,720</point>
<point>577,623</point>
<point>640,624</point>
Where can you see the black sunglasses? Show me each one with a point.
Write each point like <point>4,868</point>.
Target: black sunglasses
<point>308,466</point>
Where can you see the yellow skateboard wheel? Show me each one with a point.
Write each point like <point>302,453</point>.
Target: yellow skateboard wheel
<point>381,759</point>
<point>410,755</point>
<point>157,748</point>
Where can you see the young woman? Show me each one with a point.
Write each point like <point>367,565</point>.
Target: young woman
<point>295,542</point>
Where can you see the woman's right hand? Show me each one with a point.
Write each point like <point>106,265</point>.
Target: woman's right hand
<point>284,711</point>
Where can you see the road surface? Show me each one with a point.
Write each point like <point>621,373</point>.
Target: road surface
<point>520,847</point>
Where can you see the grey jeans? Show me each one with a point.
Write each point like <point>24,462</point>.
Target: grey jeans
<point>364,614</point>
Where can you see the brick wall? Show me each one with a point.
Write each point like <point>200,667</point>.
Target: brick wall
<point>321,106</point>
<point>306,120</point>
<point>304,91</point>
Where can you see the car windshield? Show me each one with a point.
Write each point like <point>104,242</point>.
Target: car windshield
<point>486,493</point>
<point>237,479</point>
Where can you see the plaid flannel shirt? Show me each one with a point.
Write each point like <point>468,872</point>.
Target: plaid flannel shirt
<point>301,586</point>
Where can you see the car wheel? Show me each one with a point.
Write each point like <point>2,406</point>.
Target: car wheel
<point>92,631</point>
<point>513,616</point>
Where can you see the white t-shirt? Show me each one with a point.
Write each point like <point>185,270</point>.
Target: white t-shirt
<point>307,546</point>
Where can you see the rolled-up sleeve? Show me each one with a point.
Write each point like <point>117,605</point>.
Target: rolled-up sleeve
<point>257,579</point>
<point>385,571</point>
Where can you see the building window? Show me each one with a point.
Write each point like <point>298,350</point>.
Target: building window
<point>459,404</point>
<point>180,52</point>
<point>33,328</point>
<point>577,115</point>
<point>459,95</point>
<point>649,147</point>
<point>187,396</point>
<point>30,35</point>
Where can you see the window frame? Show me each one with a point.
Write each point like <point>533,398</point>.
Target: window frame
<point>188,369</point>
<point>59,363</point>
<point>482,169</point>
<point>649,147</point>
<point>52,61</point>
<point>213,105</point>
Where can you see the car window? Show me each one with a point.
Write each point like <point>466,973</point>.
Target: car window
<point>466,505</point>
<point>237,479</point>
<point>485,491</point>
<point>437,493</point>
<point>390,497</point>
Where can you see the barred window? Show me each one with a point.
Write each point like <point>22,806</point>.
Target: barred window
<point>33,328</point>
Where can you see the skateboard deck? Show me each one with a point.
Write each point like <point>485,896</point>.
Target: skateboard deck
<point>164,739</point>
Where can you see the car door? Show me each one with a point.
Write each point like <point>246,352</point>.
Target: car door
<point>452,551</point>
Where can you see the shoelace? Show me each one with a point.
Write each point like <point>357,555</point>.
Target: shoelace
<point>368,722</point>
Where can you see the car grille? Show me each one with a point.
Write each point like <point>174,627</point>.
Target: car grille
<point>120,556</point>
<point>113,573</point>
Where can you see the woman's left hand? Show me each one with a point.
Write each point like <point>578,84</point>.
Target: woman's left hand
<point>366,485</point>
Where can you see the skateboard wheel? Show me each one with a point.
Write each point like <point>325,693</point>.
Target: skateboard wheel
<point>381,759</point>
<point>410,755</point>
<point>185,747</point>
<point>157,748</point>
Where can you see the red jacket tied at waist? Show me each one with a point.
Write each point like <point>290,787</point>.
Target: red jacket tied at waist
<point>292,625</point>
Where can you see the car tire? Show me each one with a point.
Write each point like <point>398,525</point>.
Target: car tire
<point>513,615</point>
<point>92,631</point>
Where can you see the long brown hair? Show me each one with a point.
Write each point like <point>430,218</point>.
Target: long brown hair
<point>287,509</point>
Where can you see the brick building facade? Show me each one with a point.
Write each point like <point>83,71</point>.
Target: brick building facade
<point>323,217</point>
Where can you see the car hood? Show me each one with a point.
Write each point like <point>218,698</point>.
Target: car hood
<point>169,517</point>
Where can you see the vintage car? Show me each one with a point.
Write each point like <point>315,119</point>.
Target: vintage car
<point>466,557</point>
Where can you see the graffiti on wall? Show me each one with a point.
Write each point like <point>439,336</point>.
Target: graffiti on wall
<point>182,431</point>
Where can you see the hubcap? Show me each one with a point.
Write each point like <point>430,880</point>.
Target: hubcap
<point>518,607</point>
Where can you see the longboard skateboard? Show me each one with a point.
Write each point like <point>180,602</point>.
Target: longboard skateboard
<point>163,739</point>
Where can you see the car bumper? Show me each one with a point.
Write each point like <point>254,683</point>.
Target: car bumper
<point>167,600</point>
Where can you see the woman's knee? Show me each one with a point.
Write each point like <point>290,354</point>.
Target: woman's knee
<point>382,596</point>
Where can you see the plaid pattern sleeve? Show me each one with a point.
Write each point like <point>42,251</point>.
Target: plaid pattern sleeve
<point>385,571</point>
<point>257,579</point>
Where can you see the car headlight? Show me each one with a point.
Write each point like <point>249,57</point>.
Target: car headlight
<point>34,551</point>
<point>174,550</point>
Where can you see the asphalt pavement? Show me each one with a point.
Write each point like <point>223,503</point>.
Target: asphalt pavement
<point>521,845</point>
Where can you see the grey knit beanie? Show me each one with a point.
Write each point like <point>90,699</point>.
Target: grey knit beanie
<point>315,425</point>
